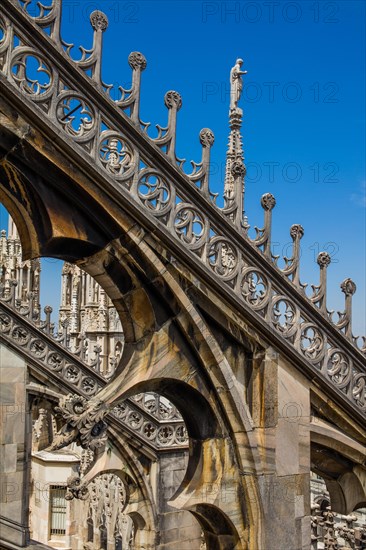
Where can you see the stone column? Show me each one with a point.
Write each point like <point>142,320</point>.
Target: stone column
<point>284,419</point>
<point>15,439</point>
<point>178,528</point>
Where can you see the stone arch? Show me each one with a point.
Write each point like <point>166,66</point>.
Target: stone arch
<point>211,381</point>
<point>126,467</point>
<point>339,459</point>
<point>323,502</point>
<point>346,493</point>
<point>53,220</point>
<point>219,531</point>
<point>107,255</point>
<point>21,205</point>
<point>120,459</point>
<point>139,529</point>
<point>197,412</point>
<point>122,524</point>
<point>204,431</point>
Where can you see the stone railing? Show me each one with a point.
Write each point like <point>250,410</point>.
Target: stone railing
<point>29,309</point>
<point>332,532</point>
<point>109,138</point>
<point>149,417</point>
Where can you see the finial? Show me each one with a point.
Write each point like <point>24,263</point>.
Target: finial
<point>319,296</point>
<point>345,318</point>
<point>268,201</point>
<point>98,20</point>
<point>296,231</point>
<point>292,266</point>
<point>323,259</point>
<point>207,137</point>
<point>348,287</point>
<point>137,60</point>
<point>173,99</point>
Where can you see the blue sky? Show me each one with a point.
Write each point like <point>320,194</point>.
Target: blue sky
<point>303,102</point>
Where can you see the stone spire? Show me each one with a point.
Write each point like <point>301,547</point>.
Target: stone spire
<point>13,268</point>
<point>91,319</point>
<point>235,169</point>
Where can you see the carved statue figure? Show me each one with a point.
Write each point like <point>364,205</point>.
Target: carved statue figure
<point>236,84</point>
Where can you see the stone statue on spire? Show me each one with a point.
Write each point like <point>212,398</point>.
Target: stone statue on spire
<point>236,84</point>
<point>235,169</point>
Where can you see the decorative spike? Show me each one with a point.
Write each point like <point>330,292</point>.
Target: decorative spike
<point>13,288</point>
<point>268,202</point>
<point>173,101</point>
<point>167,136</point>
<point>99,22</point>
<point>64,335</point>
<point>138,63</point>
<point>293,264</point>
<point>319,296</point>
<point>33,312</point>
<point>96,363</point>
<point>201,175</point>
<point>349,288</point>
<point>47,326</point>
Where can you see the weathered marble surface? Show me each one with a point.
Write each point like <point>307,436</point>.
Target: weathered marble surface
<point>15,430</point>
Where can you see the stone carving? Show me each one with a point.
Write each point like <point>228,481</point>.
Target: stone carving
<point>225,261</point>
<point>255,288</point>
<point>41,431</point>
<point>284,315</point>
<point>207,137</point>
<point>148,430</point>
<point>297,230</point>
<point>86,461</point>
<point>83,423</point>
<point>312,342</point>
<point>21,74</point>
<point>238,168</point>
<point>323,259</point>
<point>82,378</point>
<point>339,369</point>
<point>107,502</point>
<point>236,84</point>
<point>75,115</point>
<point>116,154</point>
<point>268,201</point>
<point>326,533</point>
<point>76,489</point>
<point>173,99</point>
<point>154,192</point>
<point>98,20</point>
<point>68,106</point>
<point>348,287</point>
<point>80,125</point>
<point>137,61</point>
<point>359,389</point>
<point>189,225</point>
<point>223,258</point>
<point>241,263</point>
